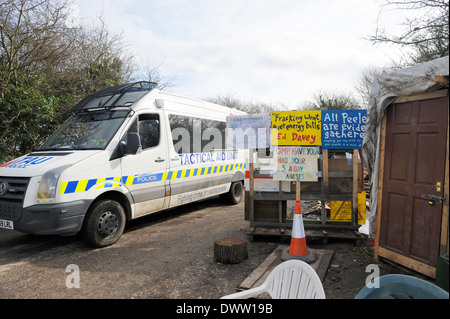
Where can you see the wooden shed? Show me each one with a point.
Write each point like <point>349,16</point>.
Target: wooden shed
<point>406,149</point>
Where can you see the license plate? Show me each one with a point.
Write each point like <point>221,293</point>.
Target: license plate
<point>8,224</point>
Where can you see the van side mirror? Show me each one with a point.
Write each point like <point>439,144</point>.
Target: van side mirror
<point>133,144</point>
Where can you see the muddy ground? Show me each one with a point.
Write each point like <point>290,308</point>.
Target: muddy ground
<point>165,256</point>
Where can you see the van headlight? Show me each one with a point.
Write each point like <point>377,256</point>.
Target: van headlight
<point>47,186</point>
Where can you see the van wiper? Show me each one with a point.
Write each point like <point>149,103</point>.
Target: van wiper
<point>54,149</point>
<point>91,110</point>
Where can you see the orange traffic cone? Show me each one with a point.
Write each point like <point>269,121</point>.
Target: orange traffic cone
<point>298,248</point>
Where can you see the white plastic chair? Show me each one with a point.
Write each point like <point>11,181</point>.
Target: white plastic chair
<point>292,279</point>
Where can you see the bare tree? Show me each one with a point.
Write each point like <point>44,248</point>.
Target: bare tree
<point>47,65</point>
<point>426,29</point>
<point>102,58</point>
<point>32,37</point>
<point>35,39</point>
<point>363,85</point>
<point>332,101</point>
<point>249,107</point>
<point>151,72</point>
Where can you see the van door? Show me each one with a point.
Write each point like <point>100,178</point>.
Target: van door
<point>146,172</point>
<point>190,167</point>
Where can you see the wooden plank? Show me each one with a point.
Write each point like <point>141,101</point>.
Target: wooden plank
<point>336,230</point>
<point>337,226</point>
<point>444,242</point>
<point>441,78</point>
<point>340,174</point>
<point>325,184</point>
<point>423,96</point>
<point>270,229</point>
<point>380,185</point>
<point>355,188</point>
<point>338,164</point>
<point>266,211</point>
<point>291,196</point>
<point>323,212</point>
<point>251,194</point>
<point>350,234</point>
<point>325,172</point>
<point>325,259</point>
<point>408,262</point>
<point>280,204</point>
<point>256,275</point>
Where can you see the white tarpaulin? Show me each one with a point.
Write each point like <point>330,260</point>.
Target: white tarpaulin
<point>406,82</point>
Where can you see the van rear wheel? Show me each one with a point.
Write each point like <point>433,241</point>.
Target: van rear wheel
<point>234,195</point>
<point>104,223</point>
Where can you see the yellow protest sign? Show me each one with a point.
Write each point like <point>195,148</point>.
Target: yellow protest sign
<point>342,211</point>
<point>296,128</point>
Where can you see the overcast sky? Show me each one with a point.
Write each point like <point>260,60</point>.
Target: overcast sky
<point>278,52</point>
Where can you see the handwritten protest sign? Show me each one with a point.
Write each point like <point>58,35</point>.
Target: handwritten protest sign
<point>343,129</point>
<point>296,164</point>
<point>296,128</point>
<point>248,131</point>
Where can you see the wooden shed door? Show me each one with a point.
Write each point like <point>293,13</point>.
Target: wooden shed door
<point>414,167</point>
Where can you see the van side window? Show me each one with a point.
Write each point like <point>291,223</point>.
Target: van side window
<point>195,135</point>
<point>148,129</point>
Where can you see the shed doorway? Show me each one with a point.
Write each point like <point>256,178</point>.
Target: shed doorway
<point>413,182</point>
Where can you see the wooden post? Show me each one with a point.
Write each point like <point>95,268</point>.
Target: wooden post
<point>444,247</point>
<point>355,188</point>
<point>325,185</point>
<point>251,193</point>
<point>376,246</point>
<point>280,203</point>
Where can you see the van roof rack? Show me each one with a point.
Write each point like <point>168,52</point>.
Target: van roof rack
<point>113,96</point>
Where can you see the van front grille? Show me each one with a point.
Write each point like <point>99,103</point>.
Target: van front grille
<point>12,189</point>
<point>12,193</point>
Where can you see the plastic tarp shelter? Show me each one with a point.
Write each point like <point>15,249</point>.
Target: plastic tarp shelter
<point>386,88</point>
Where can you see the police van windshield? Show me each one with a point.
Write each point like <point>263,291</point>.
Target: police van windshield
<point>86,131</point>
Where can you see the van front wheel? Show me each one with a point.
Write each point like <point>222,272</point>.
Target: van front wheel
<point>104,223</point>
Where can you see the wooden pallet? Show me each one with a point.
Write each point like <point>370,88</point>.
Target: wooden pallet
<point>285,234</point>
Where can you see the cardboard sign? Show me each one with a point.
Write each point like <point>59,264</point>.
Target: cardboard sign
<point>343,129</point>
<point>248,131</point>
<point>296,164</point>
<point>296,128</point>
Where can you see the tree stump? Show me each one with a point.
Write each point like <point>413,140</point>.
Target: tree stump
<point>230,250</point>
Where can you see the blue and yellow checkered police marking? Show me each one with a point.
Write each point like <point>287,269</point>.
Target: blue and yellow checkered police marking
<point>99,183</point>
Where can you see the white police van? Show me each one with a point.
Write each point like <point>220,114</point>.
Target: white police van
<point>126,151</point>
